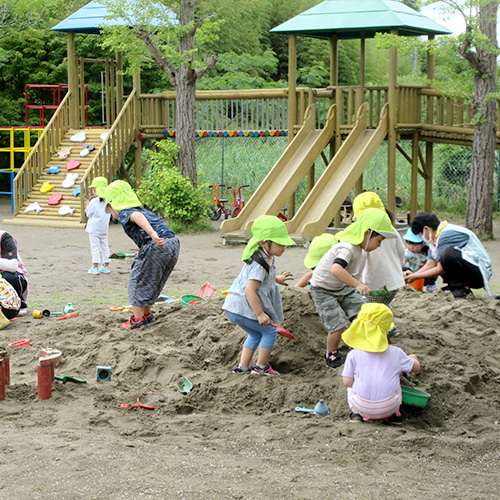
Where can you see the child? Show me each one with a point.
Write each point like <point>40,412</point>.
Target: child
<point>384,265</point>
<point>253,300</point>
<point>373,367</point>
<point>318,247</point>
<point>157,256</point>
<point>97,226</point>
<point>336,277</point>
<point>416,255</point>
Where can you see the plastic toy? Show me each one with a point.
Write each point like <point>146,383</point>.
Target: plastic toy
<point>46,187</point>
<point>320,409</point>
<point>206,290</point>
<point>72,164</point>
<point>191,299</point>
<point>48,359</point>
<point>283,332</point>
<point>53,170</point>
<point>67,316</point>
<point>103,374</point>
<point>55,199</point>
<point>64,152</point>
<point>414,397</point>
<point>19,343</point>
<point>184,386</point>
<point>67,378</point>
<point>138,405</point>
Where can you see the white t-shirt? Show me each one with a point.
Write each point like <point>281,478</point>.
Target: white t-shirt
<point>352,254</point>
<point>98,219</point>
<point>384,265</point>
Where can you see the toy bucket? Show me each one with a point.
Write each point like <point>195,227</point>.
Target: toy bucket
<point>418,284</point>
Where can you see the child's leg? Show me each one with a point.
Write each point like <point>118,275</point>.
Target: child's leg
<point>94,249</point>
<point>333,340</point>
<point>266,344</point>
<point>105,250</point>
<point>246,357</point>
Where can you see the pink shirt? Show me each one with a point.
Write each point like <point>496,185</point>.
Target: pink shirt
<point>376,374</point>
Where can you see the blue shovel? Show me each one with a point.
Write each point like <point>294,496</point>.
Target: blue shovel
<point>320,409</point>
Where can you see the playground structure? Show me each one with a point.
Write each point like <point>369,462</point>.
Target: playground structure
<point>351,121</point>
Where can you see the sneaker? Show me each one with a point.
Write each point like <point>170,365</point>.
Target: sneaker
<point>150,317</point>
<point>104,269</point>
<point>241,369</point>
<point>267,370</point>
<point>94,270</point>
<point>431,288</point>
<point>23,311</point>
<point>395,419</point>
<point>461,293</point>
<point>355,417</point>
<point>134,323</point>
<point>334,359</point>
<point>393,332</point>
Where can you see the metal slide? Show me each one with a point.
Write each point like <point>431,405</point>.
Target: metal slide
<point>325,199</point>
<point>284,178</point>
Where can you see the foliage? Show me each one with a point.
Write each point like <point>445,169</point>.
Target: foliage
<point>164,189</point>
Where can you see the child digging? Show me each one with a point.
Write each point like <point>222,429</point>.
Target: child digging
<point>336,276</point>
<point>157,256</point>
<point>253,300</point>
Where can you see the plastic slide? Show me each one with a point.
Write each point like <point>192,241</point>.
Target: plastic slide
<point>281,182</point>
<point>325,199</point>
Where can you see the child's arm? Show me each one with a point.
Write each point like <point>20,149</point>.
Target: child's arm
<point>304,281</point>
<point>416,363</point>
<point>253,300</point>
<point>284,276</point>
<point>347,381</point>
<point>143,223</point>
<point>342,275</point>
<point>430,269</point>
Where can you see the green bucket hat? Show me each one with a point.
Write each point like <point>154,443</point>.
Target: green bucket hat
<point>267,228</point>
<point>365,200</point>
<point>100,184</point>
<point>372,219</point>
<point>318,247</point>
<point>120,195</point>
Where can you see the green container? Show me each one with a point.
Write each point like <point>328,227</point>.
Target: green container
<point>191,299</point>
<point>414,397</point>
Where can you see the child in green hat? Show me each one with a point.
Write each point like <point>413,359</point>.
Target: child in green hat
<point>157,256</point>
<point>337,276</point>
<point>253,301</point>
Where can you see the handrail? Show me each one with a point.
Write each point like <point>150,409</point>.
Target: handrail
<point>118,141</point>
<point>44,147</point>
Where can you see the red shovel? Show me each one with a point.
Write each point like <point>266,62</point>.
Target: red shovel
<point>282,331</point>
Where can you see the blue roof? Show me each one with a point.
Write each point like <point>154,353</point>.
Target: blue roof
<point>90,18</point>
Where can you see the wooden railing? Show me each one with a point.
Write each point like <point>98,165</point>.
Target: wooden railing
<point>112,151</point>
<point>44,148</point>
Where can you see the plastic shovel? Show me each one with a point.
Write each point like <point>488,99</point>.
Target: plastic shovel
<point>67,378</point>
<point>138,405</point>
<point>282,331</point>
<point>320,409</point>
<point>121,255</point>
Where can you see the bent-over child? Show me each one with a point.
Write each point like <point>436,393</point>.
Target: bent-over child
<point>98,226</point>
<point>416,255</point>
<point>253,301</point>
<point>337,277</point>
<point>157,256</point>
<point>373,367</point>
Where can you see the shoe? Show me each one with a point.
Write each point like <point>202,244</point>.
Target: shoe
<point>333,359</point>
<point>150,318</point>
<point>393,332</point>
<point>23,311</point>
<point>461,293</point>
<point>395,419</point>
<point>241,369</point>
<point>93,270</point>
<point>355,417</point>
<point>134,323</point>
<point>431,288</point>
<point>267,370</point>
<point>104,269</point>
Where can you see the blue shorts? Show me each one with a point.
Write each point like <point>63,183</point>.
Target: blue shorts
<point>258,335</point>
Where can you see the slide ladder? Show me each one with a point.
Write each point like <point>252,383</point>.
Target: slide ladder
<point>325,199</point>
<point>284,178</point>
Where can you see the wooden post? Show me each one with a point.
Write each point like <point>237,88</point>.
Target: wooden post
<point>429,146</point>
<point>392,135</point>
<point>119,82</point>
<point>334,82</point>
<point>292,101</point>
<point>72,82</point>
<point>82,93</point>
<point>137,124</point>
<point>414,174</point>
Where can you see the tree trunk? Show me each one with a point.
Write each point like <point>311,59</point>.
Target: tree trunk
<point>479,217</point>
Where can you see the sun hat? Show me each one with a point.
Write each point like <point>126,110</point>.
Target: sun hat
<point>412,237</point>
<point>100,184</point>
<point>365,200</point>
<point>368,332</point>
<point>372,219</point>
<point>267,228</point>
<point>318,247</point>
<point>120,195</point>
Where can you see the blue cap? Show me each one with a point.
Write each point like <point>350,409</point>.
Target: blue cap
<point>412,237</point>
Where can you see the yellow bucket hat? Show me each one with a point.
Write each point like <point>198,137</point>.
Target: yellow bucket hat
<point>318,247</point>
<point>368,331</point>
<point>369,199</point>
<point>372,219</point>
<point>100,184</point>
<point>120,195</point>
<point>267,228</point>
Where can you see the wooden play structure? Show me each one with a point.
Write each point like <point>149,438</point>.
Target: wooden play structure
<point>351,121</point>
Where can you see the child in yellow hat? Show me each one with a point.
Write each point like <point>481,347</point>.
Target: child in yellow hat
<point>253,301</point>
<point>337,277</point>
<point>373,367</point>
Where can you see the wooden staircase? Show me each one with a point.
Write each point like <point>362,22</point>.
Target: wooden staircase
<point>50,216</point>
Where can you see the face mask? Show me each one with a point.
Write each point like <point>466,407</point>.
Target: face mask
<point>429,242</point>
<point>369,237</point>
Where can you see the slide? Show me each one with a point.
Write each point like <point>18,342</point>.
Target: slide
<point>336,182</point>
<point>284,178</point>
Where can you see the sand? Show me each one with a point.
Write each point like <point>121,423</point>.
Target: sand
<point>234,436</point>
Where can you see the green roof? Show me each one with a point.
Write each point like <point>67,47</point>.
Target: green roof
<point>348,18</point>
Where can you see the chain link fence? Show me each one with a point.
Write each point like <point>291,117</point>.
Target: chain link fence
<point>247,160</point>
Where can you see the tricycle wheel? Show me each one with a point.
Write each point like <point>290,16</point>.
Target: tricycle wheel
<point>214,213</point>
<point>235,211</point>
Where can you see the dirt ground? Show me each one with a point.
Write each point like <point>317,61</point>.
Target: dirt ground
<point>234,436</point>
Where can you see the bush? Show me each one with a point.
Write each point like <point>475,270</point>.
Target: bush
<point>165,190</point>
